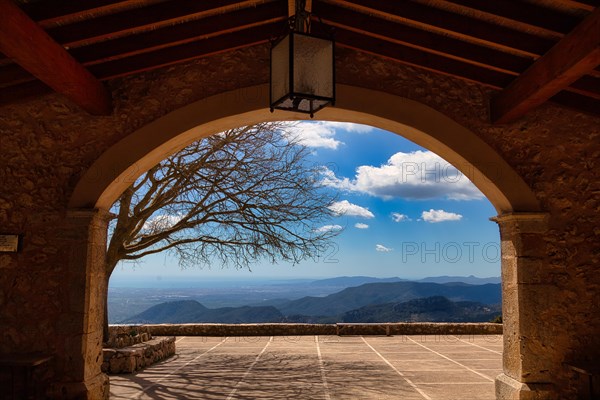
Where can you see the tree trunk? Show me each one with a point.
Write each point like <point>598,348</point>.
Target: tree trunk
<point>105,332</point>
<point>110,267</point>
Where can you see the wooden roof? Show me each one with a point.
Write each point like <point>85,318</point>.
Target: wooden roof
<point>532,50</point>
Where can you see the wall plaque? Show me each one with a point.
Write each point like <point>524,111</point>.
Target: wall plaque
<point>9,243</point>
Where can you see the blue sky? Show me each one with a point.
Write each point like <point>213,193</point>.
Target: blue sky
<point>403,212</point>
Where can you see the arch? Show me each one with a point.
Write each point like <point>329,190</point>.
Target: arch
<point>125,161</point>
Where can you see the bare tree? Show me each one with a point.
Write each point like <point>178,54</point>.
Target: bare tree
<point>234,198</point>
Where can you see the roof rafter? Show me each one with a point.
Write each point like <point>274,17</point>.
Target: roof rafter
<point>149,18</point>
<point>574,56</point>
<point>528,13</point>
<point>30,46</point>
<point>447,22</point>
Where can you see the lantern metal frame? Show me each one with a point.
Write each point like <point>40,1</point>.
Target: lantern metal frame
<point>293,95</point>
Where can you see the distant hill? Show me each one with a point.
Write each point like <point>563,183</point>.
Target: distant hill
<point>429,309</point>
<point>471,280</point>
<point>191,311</point>
<point>394,292</point>
<point>349,281</point>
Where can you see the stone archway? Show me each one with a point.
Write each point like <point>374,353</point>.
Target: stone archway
<point>519,215</point>
<point>129,158</point>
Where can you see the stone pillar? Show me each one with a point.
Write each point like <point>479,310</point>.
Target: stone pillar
<point>526,295</point>
<point>79,330</point>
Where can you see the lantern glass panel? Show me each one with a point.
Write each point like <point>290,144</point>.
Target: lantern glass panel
<point>312,66</point>
<point>280,69</point>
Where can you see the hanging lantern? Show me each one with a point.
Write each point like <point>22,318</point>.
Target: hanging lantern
<point>302,70</point>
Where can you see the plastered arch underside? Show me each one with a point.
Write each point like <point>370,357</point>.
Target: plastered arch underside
<point>125,161</point>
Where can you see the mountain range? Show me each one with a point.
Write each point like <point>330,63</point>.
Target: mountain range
<point>393,292</point>
<point>429,309</point>
<point>370,302</point>
<point>178,312</point>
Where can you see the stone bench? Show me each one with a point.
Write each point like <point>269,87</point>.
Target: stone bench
<point>133,358</point>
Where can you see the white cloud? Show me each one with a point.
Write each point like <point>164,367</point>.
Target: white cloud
<point>417,175</point>
<point>434,216</point>
<point>348,126</point>
<point>397,217</point>
<point>327,228</point>
<point>382,248</point>
<point>360,225</point>
<point>314,134</point>
<point>321,134</point>
<point>161,222</point>
<point>344,207</point>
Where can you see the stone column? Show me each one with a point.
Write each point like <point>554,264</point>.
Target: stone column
<point>79,330</point>
<point>526,295</point>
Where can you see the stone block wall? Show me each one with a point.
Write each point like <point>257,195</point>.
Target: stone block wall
<point>127,335</point>
<point>136,357</point>
<point>285,329</point>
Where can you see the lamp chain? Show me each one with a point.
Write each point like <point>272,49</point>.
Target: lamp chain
<point>300,21</point>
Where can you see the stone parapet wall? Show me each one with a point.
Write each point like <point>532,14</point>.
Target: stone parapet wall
<point>127,335</point>
<point>325,329</point>
<point>138,356</point>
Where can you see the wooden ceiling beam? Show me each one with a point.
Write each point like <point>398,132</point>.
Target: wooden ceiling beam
<point>448,22</point>
<point>393,51</point>
<point>439,44</point>
<point>451,67</point>
<point>421,59</point>
<point>524,12</point>
<point>26,43</point>
<point>47,10</point>
<point>574,56</point>
<point>188,51</point>
<point>587,5</point>
<point>152,17</point>
<point>423,39</point>
<point>157,59</point>
<point>50,14</point>
<point>179,34</point>
<point>334,15</point>
<point>169,36</point>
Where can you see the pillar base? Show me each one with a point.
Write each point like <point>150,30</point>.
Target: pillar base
<point>96,388</point>
<point>508,388</point>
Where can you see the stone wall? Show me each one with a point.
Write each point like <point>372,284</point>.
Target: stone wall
<point>284,329</point>
<point>136,357</point>
<point>127,335</point>
<point>48,303</point>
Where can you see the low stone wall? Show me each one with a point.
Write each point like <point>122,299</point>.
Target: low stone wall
<point>440,329</point>
<point>138,356</point>
<point>285,329</point>
<point>127,335</point>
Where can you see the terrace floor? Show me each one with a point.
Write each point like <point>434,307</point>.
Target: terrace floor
<point>321,367</point>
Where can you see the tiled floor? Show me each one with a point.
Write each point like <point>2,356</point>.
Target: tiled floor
<point>321,367</point>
